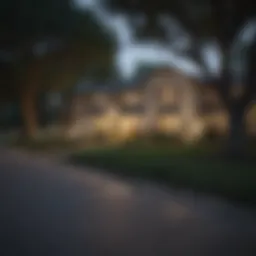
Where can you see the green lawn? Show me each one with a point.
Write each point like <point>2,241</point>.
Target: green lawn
<point>177,166</point>
<point>43,145</point>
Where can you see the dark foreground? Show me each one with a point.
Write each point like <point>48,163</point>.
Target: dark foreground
<point>49,209</point>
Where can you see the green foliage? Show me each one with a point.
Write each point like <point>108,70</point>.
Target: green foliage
<point>86,44</point>
<point>30,18</point>
<point>49,144</point>
<point>202,18</point>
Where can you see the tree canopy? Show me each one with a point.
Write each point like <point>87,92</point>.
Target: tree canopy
<point>53,35</point>
<point>45,45</point>
<point>199,17</point>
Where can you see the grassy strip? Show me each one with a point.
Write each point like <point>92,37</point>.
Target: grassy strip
<point>187,167</point>
<point>44,144</point>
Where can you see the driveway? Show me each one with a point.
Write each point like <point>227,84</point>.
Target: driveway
<point>49,208</point>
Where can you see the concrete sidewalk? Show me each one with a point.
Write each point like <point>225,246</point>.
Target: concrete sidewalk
<point>52,209</point>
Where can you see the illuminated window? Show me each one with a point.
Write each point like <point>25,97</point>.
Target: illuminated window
<point>132,98</point>
<point>168,95</point>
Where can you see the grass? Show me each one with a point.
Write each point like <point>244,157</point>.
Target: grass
<point>44,144</point>
<point>178,166</point>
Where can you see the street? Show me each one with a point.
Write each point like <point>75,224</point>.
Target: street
<point>48,208</point>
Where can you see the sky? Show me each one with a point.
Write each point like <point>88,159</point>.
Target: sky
<point>131,53</point>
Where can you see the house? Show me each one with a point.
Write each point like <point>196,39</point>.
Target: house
<point>164,102</point>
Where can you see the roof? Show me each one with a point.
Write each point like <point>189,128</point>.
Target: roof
<point>111,86</point>
<point>114,86</point>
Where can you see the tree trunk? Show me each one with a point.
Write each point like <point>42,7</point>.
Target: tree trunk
<point>29,92</point>
<point>237,132</point>
<point>66,119</point>
<point>29,111</point>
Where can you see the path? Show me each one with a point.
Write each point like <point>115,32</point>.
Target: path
<point>50,209</point>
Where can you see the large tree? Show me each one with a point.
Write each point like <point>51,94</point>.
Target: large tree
<point>230,25</point>
<point>47,44</point>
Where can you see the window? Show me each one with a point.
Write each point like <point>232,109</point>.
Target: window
<point>169,100</point>
<point>132,102</point>
<point>132,98</point>
<point>210,103</point>
<point>135,109</point>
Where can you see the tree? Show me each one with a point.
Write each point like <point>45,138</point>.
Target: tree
<point>51,46</point>
<point>230,25</point>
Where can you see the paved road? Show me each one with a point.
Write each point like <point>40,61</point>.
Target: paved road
<point>49,209</point>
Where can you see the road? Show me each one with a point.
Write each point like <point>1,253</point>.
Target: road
<point>52,209</point>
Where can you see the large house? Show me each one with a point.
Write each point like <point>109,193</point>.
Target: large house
<point>165,102</point>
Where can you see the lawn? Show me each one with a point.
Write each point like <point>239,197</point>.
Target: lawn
<point>43,145</point>
<point>184,167</point>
